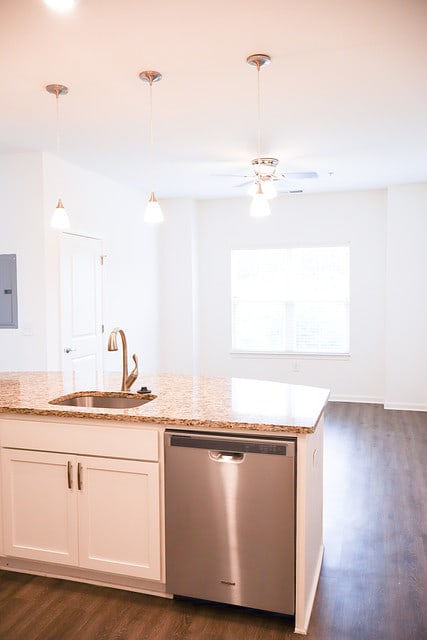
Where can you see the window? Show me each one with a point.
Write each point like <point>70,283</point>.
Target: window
<point>293,300</point>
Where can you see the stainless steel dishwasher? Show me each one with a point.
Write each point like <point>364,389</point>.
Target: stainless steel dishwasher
<point>230,519</point>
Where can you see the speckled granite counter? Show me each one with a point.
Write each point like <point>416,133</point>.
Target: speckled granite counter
<point>182,401</point>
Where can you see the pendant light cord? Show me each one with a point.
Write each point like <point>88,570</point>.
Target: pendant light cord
<point>58,141</point>
<point>151,140</point>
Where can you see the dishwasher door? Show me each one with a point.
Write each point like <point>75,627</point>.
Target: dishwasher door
<point>230,520</point>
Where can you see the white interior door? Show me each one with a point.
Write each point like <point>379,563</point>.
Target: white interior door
<point>81,309</point>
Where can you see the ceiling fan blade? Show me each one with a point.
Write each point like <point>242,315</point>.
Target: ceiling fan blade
<point>230,175</point>
<point>244,184</point>
<point>281,193</point>
<point>299,175</point>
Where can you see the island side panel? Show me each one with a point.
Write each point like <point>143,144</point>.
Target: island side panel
<point>309,538</point>
<point>1,506</point>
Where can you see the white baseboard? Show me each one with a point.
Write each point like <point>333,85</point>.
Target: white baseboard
<point>398,406</point>
<point>362,399</point>
<point>405,406</point>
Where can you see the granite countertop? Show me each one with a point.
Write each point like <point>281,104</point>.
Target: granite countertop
<point>181,401</point>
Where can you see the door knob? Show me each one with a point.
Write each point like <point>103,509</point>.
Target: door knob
<point>69,349</point>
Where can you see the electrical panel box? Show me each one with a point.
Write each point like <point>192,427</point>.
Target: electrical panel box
<point>8,292</point>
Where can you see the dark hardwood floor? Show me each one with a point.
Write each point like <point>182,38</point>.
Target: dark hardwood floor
<point>374,576</point>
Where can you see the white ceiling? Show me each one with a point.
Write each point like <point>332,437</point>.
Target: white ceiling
<point>346,92</point>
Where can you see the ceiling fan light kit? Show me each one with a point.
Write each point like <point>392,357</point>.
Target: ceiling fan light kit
<point>265,166</point>
<point>268,189</point>
<point>259,205</point>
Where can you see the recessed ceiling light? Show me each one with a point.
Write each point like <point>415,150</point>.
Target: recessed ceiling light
<point>61,5</point>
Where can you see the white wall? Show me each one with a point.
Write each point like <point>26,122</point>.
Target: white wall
<point>178,287</point>
<point>386,230</point>
<point>406,308</point>
<point>21,232</point>
<point>358,218</point>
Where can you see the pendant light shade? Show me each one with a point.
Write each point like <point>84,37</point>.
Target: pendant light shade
<point>60,219</point>
<point>153,212</point>
<point>259,205</point>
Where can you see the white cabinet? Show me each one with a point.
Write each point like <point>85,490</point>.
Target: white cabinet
<point>39,510</point>
<point>96,513</point>
<point>119,518</point>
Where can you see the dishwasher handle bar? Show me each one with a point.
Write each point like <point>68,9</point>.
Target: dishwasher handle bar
<point>233,445</point>
<point>226,456</point>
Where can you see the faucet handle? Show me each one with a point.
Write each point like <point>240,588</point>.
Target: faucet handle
<point>134,373</point>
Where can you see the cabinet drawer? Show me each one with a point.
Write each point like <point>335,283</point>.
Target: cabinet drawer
<point>109,441</point>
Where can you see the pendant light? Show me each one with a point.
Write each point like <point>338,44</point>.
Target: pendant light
<point>153,212</point>
<point>60,219</point>
<point>260,206</point>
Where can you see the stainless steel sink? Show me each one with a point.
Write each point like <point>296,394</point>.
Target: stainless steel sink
<point>103,400</point>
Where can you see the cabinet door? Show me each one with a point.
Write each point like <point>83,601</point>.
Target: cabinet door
<point>119,519</point>
<point>39,506</point>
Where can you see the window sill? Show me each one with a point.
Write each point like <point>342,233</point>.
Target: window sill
<point>290,355</point>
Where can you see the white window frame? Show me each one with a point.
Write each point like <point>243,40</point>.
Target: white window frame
<point>292,354</point>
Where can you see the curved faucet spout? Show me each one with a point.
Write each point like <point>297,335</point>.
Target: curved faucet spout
<point>127,380</point>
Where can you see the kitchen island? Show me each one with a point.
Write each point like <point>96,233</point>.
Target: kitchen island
<point>118,455</point>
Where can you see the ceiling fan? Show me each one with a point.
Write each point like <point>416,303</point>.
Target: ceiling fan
<point>264,173</point>
<point>264,177</point>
